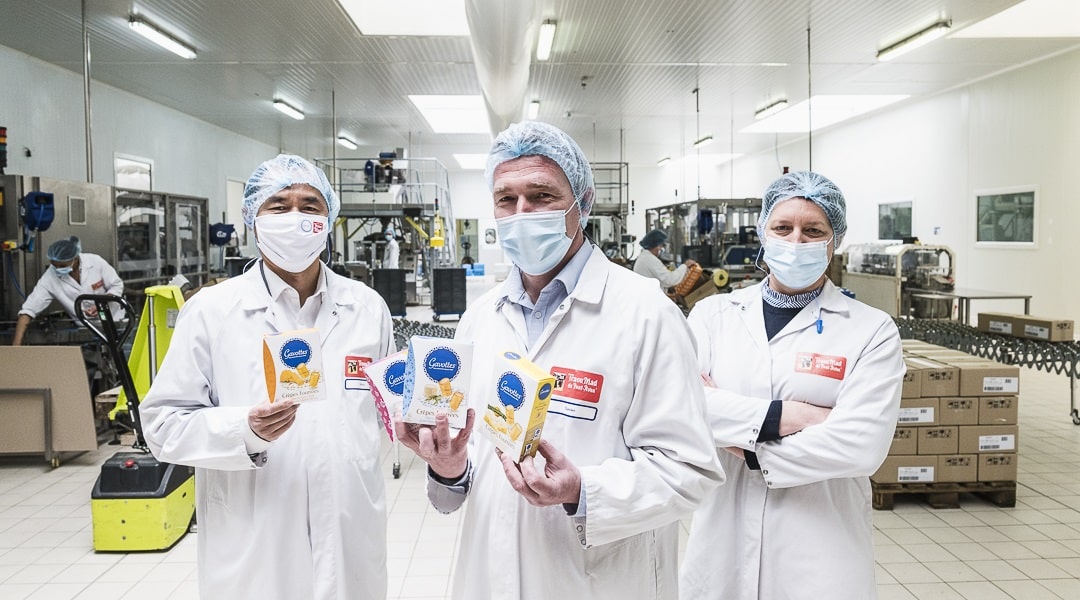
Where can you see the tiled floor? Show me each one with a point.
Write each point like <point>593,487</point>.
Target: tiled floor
<point>978,551</point>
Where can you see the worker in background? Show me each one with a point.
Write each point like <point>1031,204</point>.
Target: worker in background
<point>648,263</point>
<point>803,391</point>
<point>625,450</point>
<point>392,251</point>
<point>290,498</point>
<point>71,273</point>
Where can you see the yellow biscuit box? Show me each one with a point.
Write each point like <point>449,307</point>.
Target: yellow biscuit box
<point>437,372</point>
<point>292,364</point>
<point>515,414</point>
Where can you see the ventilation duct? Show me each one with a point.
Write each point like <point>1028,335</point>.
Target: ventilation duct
<point>502,36</point>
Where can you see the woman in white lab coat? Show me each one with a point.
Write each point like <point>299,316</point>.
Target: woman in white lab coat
<point>648,263</point>
<point>802,392</point>
<point>290,499</point>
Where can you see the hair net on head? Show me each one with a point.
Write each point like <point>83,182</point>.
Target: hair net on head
<point>278,173</point>
<point>653,239</point>
<point>64,250</point>
<point>533,138</point>
<point>814,187</point>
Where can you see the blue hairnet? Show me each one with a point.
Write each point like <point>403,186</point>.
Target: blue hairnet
<point>653,239</point>
<point>278,173</point>
<point>533,138</point>
<point>814,187</point>
<point>64,250</point>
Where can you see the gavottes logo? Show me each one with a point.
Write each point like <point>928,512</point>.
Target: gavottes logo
<point>294,352</point>
<point>511,390</point>
<point>442,363</point>
<point>395,377</point>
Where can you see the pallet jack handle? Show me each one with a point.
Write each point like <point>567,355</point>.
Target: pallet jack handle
<point>113,338</point>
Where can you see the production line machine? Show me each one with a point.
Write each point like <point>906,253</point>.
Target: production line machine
<point>904,280</point>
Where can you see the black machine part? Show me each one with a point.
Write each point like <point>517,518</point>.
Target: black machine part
<point>114,338</point>
<point>138,475</point>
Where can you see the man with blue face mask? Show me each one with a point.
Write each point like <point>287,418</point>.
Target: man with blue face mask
<point>792,355</point>
<point>71,273</point>
<point>625,450</point>
<point>290,499</point>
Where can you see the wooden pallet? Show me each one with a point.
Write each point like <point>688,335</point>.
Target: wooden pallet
<point>945,495</point>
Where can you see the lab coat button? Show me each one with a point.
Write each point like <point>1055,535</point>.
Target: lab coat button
<point>755,430</point>
<point>765,472</point>
<point>538,315</point>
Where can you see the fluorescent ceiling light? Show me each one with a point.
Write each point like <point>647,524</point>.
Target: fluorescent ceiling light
<point>453,114</point>
<point>547,38</point>
<point>472,162</point>
<point>346,142</point>
<point>161,38</point>
<point>771,109</point>
<point>691,161</point>
<point>408,17</point>
<point>663,161</point>
<point>826,110</point>
<point>915,40</point>
<point>534,110</point>
<point>705,141</point>
<point>1029,19</point>
<point>287,109</point>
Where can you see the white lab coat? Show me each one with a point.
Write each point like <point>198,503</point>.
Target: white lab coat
<point>649,265</point>
<point>641,444</point>
<point>800,528</point>
<point>96,277</point>
<point>391,254</point>
<point>306,518</point>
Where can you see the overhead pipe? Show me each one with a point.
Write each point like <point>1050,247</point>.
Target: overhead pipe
<point>502,35</point>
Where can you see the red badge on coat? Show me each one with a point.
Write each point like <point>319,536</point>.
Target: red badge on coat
<point>821,364</point>
<point>578,385</point>
<point>354,372</point>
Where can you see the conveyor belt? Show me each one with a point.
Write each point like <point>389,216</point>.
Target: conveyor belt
<point>1061,358</point>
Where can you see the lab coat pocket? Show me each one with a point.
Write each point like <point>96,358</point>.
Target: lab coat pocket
<point>630,561</point>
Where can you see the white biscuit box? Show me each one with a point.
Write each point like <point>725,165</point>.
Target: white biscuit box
<point>386,377</point>
<point>437,373</point>
<point>292,365</point>
<point>515,414</point>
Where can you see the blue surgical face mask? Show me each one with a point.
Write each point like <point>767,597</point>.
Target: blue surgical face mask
<point>61,271</point>
<point>535,241</point>
<point>797,266</point>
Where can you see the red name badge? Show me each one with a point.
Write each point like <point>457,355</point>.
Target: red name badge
<point>97,286</point>
<point>354,365</point>
<point>820,364</point>
<point>577,385</point>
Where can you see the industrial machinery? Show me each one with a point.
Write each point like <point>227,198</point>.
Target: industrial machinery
<point>901,279</point>
<point>611,205</point>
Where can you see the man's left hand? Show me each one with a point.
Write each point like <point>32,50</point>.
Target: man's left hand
<point>559,483</point>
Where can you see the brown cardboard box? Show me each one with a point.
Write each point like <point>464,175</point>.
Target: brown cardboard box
<point>998,410</point>
<point>954,410</point>
<point>958,468</point>
<point>938,379</point>
<point>980,376</point>
<point>984,439</point>
<point>917,411</point>
<point>912,387</point>
<point>997,323</point>
<point>700,293</point>
<point>904,441</point>
<point>938,440</point>
<point>913,344</point>
<point>943,355</point>
<point>59,369</point>
<point>906,469</point>
<point>1039,328</point>
<point>998,467</point>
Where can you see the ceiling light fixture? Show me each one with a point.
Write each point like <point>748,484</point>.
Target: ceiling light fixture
<point>771,109</point>
<point>915,40</point>
<point>705,141</point>
<point>534,110</point>
<point>161,38</point>
<point>547,39</point>
<point>287,109</point>
<point>346,142</point>
<point>663,161</point>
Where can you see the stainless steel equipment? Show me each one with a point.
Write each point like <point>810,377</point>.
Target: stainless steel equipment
<point>901,279</point>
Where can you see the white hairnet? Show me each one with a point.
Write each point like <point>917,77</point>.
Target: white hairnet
<point>814,187</point>
<point>278,173</point>
<point>64,250</point>
<point>533,138</point>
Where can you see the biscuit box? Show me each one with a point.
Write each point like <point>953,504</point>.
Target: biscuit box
<point>515,413</point>
<point>292,365</point>
<point>437,372</point>
<point>386,378</point>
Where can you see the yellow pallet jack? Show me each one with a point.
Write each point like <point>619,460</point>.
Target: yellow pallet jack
<point>138,503</point>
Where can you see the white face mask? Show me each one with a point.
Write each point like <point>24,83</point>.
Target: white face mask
<point>797,266</point>
<point>535,241</point>
<point>291,240</point>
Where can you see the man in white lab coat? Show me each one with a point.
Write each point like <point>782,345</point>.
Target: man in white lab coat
<point>392,251</point>
<point>648,263</point>
<point>290,499</point>
<point>626,451</point>
<point>804,392</point>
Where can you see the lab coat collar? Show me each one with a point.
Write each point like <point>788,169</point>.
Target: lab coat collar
<point>590,283</point>
<point>749,301</point>
<point>255,295</point>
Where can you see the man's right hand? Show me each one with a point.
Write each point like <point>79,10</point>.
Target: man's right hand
<point>269,421</point>
<point>448,456</point>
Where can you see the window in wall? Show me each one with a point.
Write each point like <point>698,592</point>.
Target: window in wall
<point>133,172</point>
<point>894,220</point>
<point>1006,216</point>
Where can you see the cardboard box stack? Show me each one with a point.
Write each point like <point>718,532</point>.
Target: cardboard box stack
<point>1027,326</point>
<point>957,421</point>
